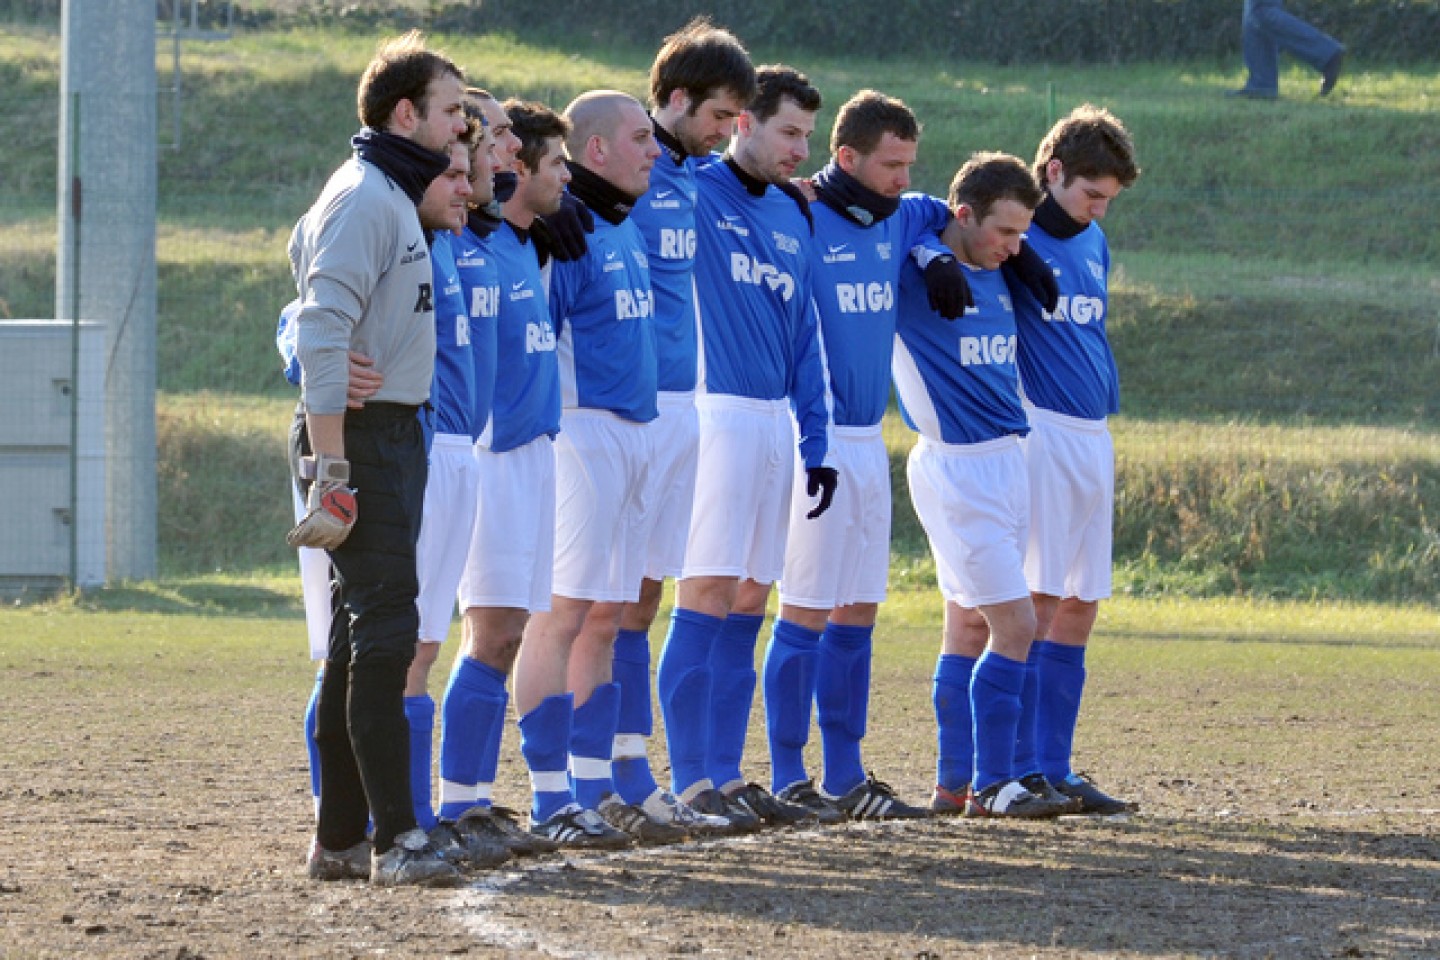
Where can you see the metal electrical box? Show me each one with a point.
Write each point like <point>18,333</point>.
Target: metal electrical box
<point>51,429</point>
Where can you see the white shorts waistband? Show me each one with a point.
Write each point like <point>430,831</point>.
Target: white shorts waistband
<point>1084,424</point>
<point>982,449</point>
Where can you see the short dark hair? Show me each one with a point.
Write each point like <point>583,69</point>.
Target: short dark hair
<point>702,60</point>
<point>1092,143</point>
<point>866,117</point>
<point>534,123</point>
<point>775,82</point>
<point>987,178</point>
<point>401,70</point>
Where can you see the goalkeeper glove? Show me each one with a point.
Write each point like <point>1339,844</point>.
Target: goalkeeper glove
<point>330,507</point>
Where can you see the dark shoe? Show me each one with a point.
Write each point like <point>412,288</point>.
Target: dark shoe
<point>1092,799</point>
<point>633,820</point>
<point>352,863</point>
<point>465,846</point>
<point>1250,93</point>
<point>413,861</point>
<point>804,794</point>
<point>503,824</point>
<point>875,800</point>
<point>713,803</point>
<point>763,804</point>
<point>950,803</point>
<point>574,826</point>
<point>1331,73</point>
<point>1038,785</point>
<point>1009,799</point>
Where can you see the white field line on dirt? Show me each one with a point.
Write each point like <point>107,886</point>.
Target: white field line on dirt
<point>482,910</point>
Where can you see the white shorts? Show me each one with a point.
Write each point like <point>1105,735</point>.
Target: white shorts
<point>1072,505</point>
<point>842,556</point>
<point>315,588</point>
<point>742,490</point>
<point>451,489</point>
<point>676,444</point>
<point>512,551</point>
<point>974,501</point>
<point>602,506</point>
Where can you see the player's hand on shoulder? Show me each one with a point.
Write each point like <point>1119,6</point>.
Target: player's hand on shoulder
<point>1030,270</point>
<point>947,287</point>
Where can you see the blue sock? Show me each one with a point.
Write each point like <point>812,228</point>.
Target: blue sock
<point>490,759</point>
<point>995,711</point>
<point>474,703</point>
<point>630,766</point>
<point>1062,681</point>
<point>545,744</point>
<point>732,692</point>
<point>951,694</point>
<point>420,712</point>
<point>591,735</point>
<point>683,683</point>
<point>842,700</point>
<point>1026,759</point>
<point>789,696</point>
<point>310,746</point>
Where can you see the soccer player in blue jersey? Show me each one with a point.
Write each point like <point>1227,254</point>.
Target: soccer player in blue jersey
<point>602,309</point>
<point>837,565</point>
<point>760,350</point>
<point>1071,385</point>
<point>959,389</point>
<point>699,82</point>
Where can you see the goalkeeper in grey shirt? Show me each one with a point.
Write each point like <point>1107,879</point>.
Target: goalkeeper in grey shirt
<point>362,266</point>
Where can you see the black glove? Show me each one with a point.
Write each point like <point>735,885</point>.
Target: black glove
<point>949,290</point>
<point>1031,272</point>
<point>822,481</point>
<point>562,233</point>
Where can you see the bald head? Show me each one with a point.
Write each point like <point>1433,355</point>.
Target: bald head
<point>611,135</point>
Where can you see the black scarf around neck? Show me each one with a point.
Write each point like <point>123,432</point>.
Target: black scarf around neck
<point>669,143</point>
<point>600,195</point>
<point>485,220</point>
<point>1053,219</point>
<point>850,198</point>
<point>755,186</point>
<point>404,161</point>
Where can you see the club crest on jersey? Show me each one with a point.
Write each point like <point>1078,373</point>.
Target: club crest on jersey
<point>1005,303</point>
<point>641,259</point>
<point>785,243</point>
<point>882,250</point>
<point>733,224</point>
<point>746,269</point>
<point>1097,270</point>
<point>838,253</point>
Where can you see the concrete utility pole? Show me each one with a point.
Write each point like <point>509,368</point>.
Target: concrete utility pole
<point>106,257</point>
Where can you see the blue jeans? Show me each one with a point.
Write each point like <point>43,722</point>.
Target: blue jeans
<point>1266,30</point>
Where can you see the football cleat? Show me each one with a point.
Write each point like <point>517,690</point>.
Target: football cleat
<point>635,822</point>
<point>1038,785</point>
<point>875,800</point>
<point>413,861</point>
<point>352,863</point>
<point>713,803</point>
<point>803,794</point>
<point>1009,799</point>
<point>503,824</point>
<point>1092,799</point>
<point>574,826</point>
<point>664,807</point>
<point>768,808</point>
<point>950,803</point>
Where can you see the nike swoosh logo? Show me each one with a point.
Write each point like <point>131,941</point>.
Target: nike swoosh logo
<point>518,285</point>
<point>469,253</point>
<point>410,247</point>
<point>662,194</point>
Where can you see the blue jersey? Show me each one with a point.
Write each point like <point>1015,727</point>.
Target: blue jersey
<point>957,379</point>
<point>480,286</point>
<point>757,314</point>
<point>527,387</point>
<point>857,273</point>
<point>1066,363</point>
<point>453,390</point>
<point>666,218</point>
<point>603,312</point>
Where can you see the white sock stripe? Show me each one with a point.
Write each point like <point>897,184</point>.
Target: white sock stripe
<point>628,746</point>
<point>483,790</point>
<point>589,768</point>
<point>549,781</point>
<point>1007,795</point>
<point>452,792</point>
